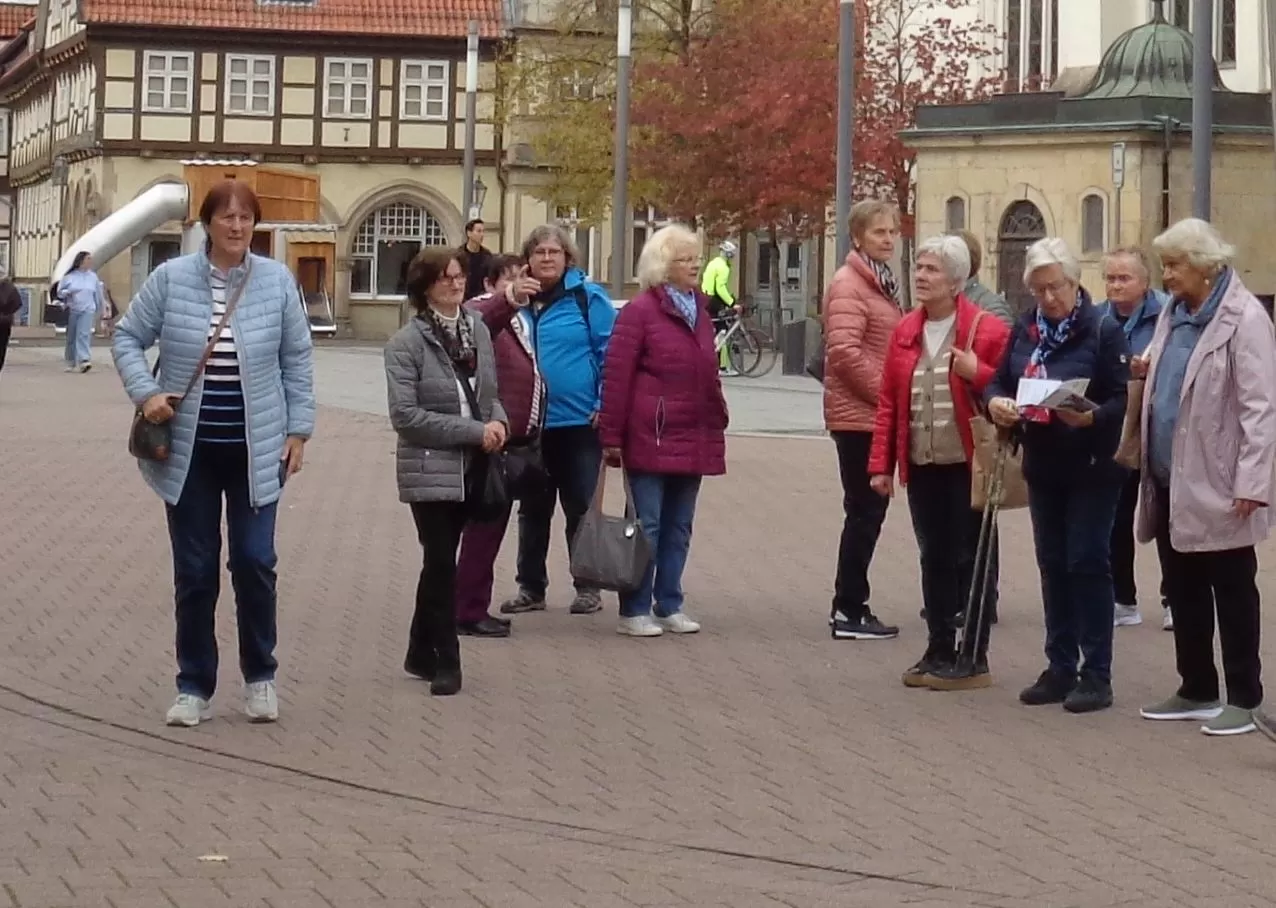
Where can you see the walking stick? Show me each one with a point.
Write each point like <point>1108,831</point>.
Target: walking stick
<point>981,579</point>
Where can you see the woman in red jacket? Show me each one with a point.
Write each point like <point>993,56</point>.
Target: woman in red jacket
<point>940,358</point>
<point>664,419</point>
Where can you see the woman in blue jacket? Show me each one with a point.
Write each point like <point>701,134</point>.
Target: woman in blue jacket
<point>81,291</point>
<point>1073,482</point>
<point>237,436</point>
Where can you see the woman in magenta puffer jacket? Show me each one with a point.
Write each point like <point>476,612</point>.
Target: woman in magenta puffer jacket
<point>664,419</point>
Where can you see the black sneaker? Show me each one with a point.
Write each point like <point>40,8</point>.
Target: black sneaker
<point>485,627</point>
<point>1090,695</point>
<point>446,683</point>
<point>960,677</point>
<point>865,628</point>
<point>1051,687</point>
<point>524,602</point>
<point>927,665</point>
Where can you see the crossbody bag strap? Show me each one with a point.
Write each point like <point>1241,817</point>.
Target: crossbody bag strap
<point>217,334</point>
<point>975,405</point>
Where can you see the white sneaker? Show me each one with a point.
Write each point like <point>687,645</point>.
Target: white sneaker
<point>639,626</point>
<point>260,702</point>
<point>1167,622</point>
<point>188,711</point>
<point>678,623</point>
<point>1127,616</point>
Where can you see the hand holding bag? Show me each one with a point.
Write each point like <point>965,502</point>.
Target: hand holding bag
<point>610,553</point>
<point>987,438</point>
<point>154,441</point>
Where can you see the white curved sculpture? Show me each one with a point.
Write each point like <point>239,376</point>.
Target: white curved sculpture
<point>119,230</point>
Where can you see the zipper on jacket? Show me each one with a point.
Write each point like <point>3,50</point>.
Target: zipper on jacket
<point>660,420</point>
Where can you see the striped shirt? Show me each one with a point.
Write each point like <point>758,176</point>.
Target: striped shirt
<point>933,435</point>
<point>221,412</point>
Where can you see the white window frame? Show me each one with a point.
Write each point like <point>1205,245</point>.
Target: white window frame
<point>379,226</point>
<point>250,80</point>
<point>169,78</point>
<point>348,81</point>
<point>568,218</point>
<point>1048,63</point>
<point>1218,28</point>
<point>649,223</point>
<point>425,83</point>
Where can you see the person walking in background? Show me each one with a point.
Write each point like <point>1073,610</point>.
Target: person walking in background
<point>716,285</point>
<point>1073,482</point>
<point>942,356</point>
<point>237,436</point>
<point>522,396</point>
<point>10,306</point>
<point>861,309</point>
<point>1209,451</point>
<point>474,258</point>
<point>569,322</point>
<point>664,419</point>
<point>1135,306</point>
<point>441,424</point>
<point>81,291</point>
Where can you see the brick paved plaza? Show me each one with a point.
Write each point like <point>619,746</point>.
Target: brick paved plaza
<point>756,764</point>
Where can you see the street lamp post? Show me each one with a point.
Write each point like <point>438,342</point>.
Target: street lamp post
<point>1202,106</point>
<point>845,124</point>
<point>620,189</point>
<point>480,196</point>
<point>471,116</point>
<point>59,177</point>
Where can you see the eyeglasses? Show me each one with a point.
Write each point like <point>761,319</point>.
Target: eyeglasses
<point>454,278</point>
<point>687,261</point>
<point>548,252</point>
<point>1058,290</point>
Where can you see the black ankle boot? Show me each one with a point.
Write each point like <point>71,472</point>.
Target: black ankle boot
<point>446,683</point>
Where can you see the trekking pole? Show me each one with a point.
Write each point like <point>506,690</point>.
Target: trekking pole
<point>981,578</point>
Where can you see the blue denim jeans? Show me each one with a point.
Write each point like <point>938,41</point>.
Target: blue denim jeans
<point>666,507</point>
<point>572,457</point>
<point>1072,531</point>
<point>217,472</point>
<point>79,338</point>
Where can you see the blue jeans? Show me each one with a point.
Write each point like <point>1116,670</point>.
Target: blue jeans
<point>1072,530</point>
<point>572,457</point>
<point>666,507</point>
<point>195,531</point>
<point>79,338</point>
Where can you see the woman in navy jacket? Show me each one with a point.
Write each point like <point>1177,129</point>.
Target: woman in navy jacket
<point>1073,482</point>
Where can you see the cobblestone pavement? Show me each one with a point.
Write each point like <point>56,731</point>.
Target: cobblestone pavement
<point>756,764</point>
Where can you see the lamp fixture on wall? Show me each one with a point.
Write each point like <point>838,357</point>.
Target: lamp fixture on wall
<point>60,172</point>
<point>480,194</point>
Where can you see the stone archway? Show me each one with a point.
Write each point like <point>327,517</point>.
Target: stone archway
<point>1021,226</point>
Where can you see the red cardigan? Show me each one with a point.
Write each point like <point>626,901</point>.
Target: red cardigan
<point>891,427</point>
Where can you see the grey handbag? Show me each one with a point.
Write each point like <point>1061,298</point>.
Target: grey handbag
<point>610,553</point>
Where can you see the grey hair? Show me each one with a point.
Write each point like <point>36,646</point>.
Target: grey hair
<point>1198,243</point>
<point>953,255</point>
<point>1051,251</point>
<point>659,251</point>
<point>558,234</point>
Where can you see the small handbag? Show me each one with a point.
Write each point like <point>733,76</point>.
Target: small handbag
<point>610,553</point>
<point>154,441</point>
<point>1129,452</point>
<point>487,495</point>
<point>987,439</point>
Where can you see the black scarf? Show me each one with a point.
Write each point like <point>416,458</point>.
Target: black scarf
<point>457,340</point>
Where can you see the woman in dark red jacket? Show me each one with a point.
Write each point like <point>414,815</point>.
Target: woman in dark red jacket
<point>522,393</point>
<point>940,358</point>
<point>664,419</point>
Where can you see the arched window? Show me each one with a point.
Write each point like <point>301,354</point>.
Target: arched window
<point>955,214</point>
<point>385,243</point>
<point>1021,226</point>
<point>1093,224</point>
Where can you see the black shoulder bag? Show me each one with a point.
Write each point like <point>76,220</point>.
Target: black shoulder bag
<point>486,485</point>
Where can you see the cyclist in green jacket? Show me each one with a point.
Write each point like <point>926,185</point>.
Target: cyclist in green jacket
<point>716,285</point>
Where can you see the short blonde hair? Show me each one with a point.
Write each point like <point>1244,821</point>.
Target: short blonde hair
<point>1051,251</point>
<point>1198,243</point>
<point>864,213</point>
<point>659,252</point>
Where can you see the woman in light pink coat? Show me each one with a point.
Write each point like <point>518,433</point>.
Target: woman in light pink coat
<point>1209,451</point>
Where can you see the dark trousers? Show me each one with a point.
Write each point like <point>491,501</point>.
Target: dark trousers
<point>6,330</point>
<point>1072,531</point>
<point>1123,585</point>
<point>432,640</point>
<point>666,507</point>
<point>1199,585</point>
<point>572,459</point>
<point>217,472</point>
<point>480,544</point>
<point>947,532</point>
<point>865,512</point>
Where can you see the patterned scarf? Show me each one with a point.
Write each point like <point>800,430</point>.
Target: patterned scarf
<point>457,339</point>
<point>885,276</point>
<point>684,302</point>
<point>1050,337</point>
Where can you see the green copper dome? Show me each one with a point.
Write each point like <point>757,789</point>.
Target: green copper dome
<point>1153,60</point>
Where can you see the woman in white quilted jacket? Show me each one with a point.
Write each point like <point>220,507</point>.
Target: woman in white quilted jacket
<point>237,435</point>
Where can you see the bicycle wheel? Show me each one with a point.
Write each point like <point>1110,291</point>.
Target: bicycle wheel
<point>757,353</point>
<point>743,353</point>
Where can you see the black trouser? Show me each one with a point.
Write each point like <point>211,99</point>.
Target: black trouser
<point>6,329</point>
<point>1200,584</point>
<point>432,641</point>
<point>947,532</point>
<point>1122,546</point>
<point>865,512</point>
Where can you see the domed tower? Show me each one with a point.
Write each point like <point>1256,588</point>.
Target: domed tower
<point>1153,60</point>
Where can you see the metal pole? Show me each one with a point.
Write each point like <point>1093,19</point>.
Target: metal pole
<point>471,117</point>
<point>620,189</point>
<point>1202,106</point>
<point>845,124</point>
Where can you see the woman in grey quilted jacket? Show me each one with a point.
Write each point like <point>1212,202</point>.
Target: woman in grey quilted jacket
<point>439,434</point>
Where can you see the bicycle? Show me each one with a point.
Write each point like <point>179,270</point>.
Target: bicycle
<point>749,350</point>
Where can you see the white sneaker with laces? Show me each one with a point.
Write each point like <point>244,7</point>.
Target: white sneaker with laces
<point>639,626</point>
<point>260,702</point>
<point>1167,622</point>
<point>188,711</point>
<point>678,623</point>
<point>1126,616</point>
